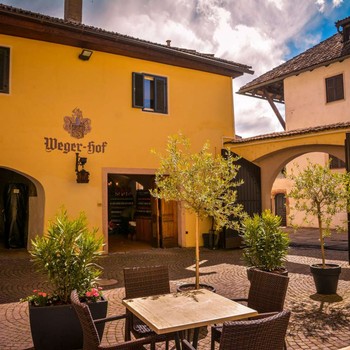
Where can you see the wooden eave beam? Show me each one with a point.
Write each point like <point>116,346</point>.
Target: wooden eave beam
<point>273,106</point>
<point>85,37</point>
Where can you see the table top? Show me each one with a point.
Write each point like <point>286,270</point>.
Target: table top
<point>185,310</point>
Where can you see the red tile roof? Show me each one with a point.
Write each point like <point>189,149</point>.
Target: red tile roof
<point>304,131</point>
<point>328,51</point>
<point>19,22</point>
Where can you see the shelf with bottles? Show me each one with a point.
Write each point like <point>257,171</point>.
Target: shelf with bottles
<point>118,200</point>
<point>143,203</point>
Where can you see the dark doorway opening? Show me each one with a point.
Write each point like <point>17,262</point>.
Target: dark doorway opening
<point>15,190</point>
<point>280,207</point>
<point>136,220</point>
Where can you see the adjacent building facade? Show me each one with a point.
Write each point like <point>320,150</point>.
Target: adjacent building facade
<point>81,108</point>
<point>314,86</point>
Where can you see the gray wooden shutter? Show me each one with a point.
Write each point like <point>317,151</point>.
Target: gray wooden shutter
<point>137,90</point>
<point>161,95</point>
<point>4,69</point>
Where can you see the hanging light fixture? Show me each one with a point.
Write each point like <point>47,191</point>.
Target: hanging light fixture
<point>82,174</point>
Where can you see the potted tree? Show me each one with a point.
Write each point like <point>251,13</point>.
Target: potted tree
<point>266,244</point>
<point>67,256</point>
<point>321,193</point>
<point>204,183</point>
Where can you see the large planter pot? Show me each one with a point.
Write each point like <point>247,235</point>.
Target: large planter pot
<point>58,328</point>
<point>326,279</point>
<point>280,271</point>
<point>209,240</point>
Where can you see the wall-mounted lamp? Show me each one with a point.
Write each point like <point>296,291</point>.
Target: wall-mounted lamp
<point>82,175</point>
<point>85,55</point>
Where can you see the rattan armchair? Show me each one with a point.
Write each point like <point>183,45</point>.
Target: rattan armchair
<point>142,282</point>
<point>90,335</point>
<point>256,334</point>
<point>267,294</point>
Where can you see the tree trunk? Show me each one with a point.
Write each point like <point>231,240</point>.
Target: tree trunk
<point>320,227</point>
<point>197,252</point>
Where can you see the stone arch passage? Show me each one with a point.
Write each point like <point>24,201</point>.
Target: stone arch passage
<point>36,203</point>
<point>271,164</point>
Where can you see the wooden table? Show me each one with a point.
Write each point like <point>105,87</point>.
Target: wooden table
<point>181,311</point>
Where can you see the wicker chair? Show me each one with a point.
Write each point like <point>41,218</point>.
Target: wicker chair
<point>91,338</point>
<point>267,293</point>
<point>143,282</point>
<point>256,334</point>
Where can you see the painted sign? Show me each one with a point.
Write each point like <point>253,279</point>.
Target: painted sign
<point>53,144</point>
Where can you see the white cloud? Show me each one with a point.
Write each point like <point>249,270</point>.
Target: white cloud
<point>337,3</point>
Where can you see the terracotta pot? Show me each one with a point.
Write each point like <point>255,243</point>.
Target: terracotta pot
<point>57,327</point>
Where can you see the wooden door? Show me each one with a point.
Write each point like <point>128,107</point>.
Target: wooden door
<point>168,224</point>
<point>164,223</point>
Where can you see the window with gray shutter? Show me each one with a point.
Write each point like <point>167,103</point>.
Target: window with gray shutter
<point>4,70</point>
<point>335,88</point>
<point>149,93</point>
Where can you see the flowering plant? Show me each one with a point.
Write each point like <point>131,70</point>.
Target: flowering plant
<point>93,295</point>
<point>40,298</point>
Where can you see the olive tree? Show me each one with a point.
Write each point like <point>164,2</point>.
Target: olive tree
<point>204,183</point>
<point>320,193</point>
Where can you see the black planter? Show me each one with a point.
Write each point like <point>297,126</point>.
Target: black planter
<point>326,279</point>
<point>191,286</point>
<point>58,327</point>
<point>209,240</point>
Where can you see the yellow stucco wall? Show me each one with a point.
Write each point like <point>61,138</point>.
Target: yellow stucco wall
<point>48,81</point>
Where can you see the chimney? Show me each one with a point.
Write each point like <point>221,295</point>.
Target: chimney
<point>345,25</point>
<point>73,10</point>
<point>168,42</point>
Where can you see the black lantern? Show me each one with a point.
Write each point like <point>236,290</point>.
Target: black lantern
<point>82,175</point>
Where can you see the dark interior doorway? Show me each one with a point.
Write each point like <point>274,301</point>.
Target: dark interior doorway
<point>129,212</point>
<point>136,220</point>
<point>280,207</point>
<point>15,190</point>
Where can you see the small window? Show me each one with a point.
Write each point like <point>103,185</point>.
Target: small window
<point>335,88</point>
<point>149,93</point>
<point>4,69</point>
<point>336,163</point>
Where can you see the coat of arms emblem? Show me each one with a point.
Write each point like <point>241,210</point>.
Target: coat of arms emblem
<point>76,125</point>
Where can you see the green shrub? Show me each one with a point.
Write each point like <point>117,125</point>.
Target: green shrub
<point>267,244</point>
<point>67,255</point>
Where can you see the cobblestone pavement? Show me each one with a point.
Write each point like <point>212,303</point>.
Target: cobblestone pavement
<point>318,322</point>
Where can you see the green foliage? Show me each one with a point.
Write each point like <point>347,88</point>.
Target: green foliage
<point>204,183</point>
<point>320,193</point>
<point>267,244</point>
<point>67,255</point>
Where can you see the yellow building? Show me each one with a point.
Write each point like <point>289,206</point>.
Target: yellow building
<point>74,98</point>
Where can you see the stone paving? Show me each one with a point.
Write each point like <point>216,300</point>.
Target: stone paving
<point>318,322</point>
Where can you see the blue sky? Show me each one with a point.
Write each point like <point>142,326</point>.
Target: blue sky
<point>259,33</point>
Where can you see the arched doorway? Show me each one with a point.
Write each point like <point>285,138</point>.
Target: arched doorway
<point>21,208</point>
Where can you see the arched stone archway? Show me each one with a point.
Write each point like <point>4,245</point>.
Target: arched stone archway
<point>271,164</point>
<point>36,201</point>
<point>273,151</point>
